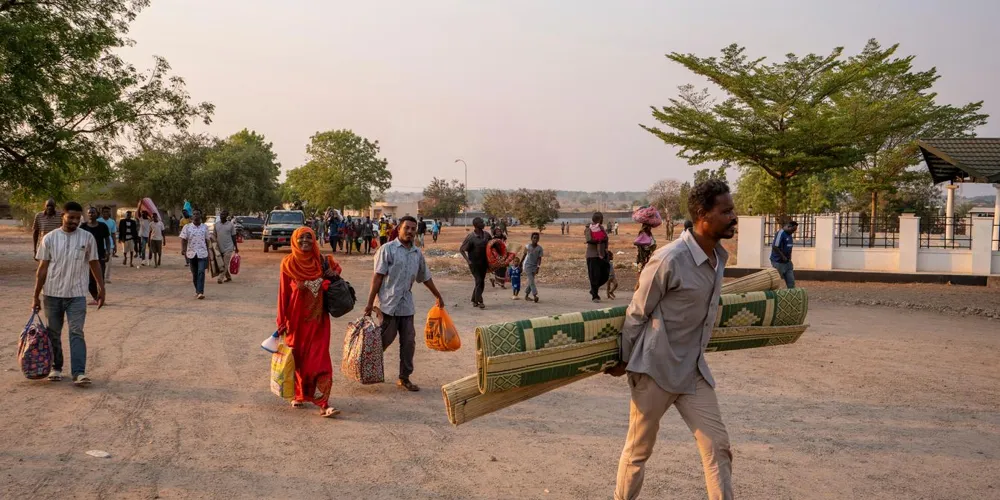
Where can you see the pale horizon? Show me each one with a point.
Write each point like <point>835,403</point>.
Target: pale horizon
<point>543,95</point>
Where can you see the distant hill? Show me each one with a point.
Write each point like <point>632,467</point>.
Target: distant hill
<point>568,200</point>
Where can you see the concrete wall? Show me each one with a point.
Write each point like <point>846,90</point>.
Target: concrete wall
<point>908,257</point>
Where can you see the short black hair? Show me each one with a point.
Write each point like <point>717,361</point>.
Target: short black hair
<point>598,216</point>
<point>72,206</point>
<point>407,218</point>
<point>793,223</point>
<point>703,195</point>
<point>536,233</point>
<point>478,220</point>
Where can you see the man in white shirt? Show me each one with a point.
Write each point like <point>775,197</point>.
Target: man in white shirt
<point>194,246</point>
<point>144,223</point>
<point>156,240</point>
<point>65,258</point>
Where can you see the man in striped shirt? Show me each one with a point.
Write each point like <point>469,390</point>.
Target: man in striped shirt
<point>65,258</point>
<point>45,221</point>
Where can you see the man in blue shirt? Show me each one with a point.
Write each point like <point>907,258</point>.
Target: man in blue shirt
<point>109,221</point>
<point>781,253</point>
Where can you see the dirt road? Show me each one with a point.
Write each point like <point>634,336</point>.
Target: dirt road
<point>872,402</point>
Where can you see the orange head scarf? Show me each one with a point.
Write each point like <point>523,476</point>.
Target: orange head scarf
<point>301,265</point>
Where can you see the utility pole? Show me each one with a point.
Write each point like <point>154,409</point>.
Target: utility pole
<point>465,211</point>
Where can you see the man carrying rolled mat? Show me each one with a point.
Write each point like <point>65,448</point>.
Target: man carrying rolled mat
<point>663,341</point>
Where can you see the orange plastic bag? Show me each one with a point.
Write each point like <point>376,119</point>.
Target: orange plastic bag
<point>440,333</point>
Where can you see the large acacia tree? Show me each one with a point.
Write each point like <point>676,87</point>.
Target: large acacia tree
<point>779,117</point>
<point>69,104</point>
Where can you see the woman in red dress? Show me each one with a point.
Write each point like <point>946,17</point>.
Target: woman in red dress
<point>304,321</point>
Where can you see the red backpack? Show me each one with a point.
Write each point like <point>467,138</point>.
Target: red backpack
<point>34,350</point>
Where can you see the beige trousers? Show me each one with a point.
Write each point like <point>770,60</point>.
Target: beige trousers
<point>700,412</point>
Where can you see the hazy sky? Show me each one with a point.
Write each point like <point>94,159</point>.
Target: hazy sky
<point>540,94</point>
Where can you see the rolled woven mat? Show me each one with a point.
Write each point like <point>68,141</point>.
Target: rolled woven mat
<point>463,400</point>
<point>768,279</point>
<point>538,350</point>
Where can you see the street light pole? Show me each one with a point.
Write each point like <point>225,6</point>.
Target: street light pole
<point>466,186</point>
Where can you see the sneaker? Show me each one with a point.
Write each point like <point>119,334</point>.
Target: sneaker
<point>596,299</point>
<point>201,296</point>
<point>536,299</point>
<point>55,376</point>
<point>81,380</point>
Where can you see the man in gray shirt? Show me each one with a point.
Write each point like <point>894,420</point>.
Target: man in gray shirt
<point>667,327</point>
<point>399,264</point>
<point>530,266</point>
<point>224,233</point>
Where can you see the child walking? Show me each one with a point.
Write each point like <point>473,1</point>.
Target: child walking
<point>514,275</point>
<point>530,265</point>
<point>612,279</point>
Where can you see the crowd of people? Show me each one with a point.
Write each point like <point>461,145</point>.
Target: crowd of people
<point>664,321</point>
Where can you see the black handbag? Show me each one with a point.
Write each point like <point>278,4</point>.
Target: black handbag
<point>339,297</point>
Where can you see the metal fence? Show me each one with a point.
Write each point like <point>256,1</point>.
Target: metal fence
<point>859,229</point>
<point>805,234</point>
<point>934,232</point>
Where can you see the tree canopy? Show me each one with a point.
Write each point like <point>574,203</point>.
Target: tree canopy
<point>498,203</point>
<point>778,117</point>
<point>443,199</point>
<point>343,170</point>
<point>68,103</point>
<point>536,208</point>
<point>239,173</point>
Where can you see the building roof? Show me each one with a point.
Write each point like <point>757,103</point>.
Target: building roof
<point>975,159</point>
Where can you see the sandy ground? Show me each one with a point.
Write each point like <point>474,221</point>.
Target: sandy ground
<point>872,402</point>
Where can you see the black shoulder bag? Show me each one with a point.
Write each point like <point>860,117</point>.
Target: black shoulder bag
<point>339,297</point>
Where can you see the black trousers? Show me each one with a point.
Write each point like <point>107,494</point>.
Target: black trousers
<point>597,272</point>
<point>479,275</point>
<point>92,285</point>
<point>403,327</point>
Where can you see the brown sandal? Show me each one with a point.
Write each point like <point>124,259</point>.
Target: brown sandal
<point>329,412</point>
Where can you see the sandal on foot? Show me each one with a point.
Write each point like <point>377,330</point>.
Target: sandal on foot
<point>298,404</point>
<point>329,412</point>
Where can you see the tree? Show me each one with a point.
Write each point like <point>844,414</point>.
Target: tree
<point>343,170</point>
<point>67,99</point>
<point>777,117</point>
<point>536,208</point>
<point>665,195</point>
<point>705,174</point>
<point>164,170</point>
<point>898,107</point>
<point>443,200</point>
<point>240,174</point>
<point>498,203</point>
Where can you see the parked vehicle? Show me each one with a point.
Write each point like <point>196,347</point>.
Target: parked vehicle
<point>251,227</point>
<point>279,226</point>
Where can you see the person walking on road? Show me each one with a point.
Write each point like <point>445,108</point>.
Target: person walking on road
<point>435,230</point>
<point>473,250</point>
<point>421,231</point>
<point>224,234</point>
<point>667,326</point>
<point>597,249</point>
<point>65,258</point>
<point>304,321</point>
<point>101,234</point>
<point>109,221</point>
<point>156,240</point>
<point>144,222</point>
<point>194,246</point>
<point>531,263</point>
<point>128,235</point>
<point>45,222</point>
<point>781,252</point>
<point>399,264</point>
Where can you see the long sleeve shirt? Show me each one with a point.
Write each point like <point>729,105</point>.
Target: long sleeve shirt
<point>670,320</point>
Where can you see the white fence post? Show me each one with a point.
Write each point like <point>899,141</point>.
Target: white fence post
<point>982,245</point>
<point>909,242</point>
<point>750,242</point>
<point>825,241</point>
